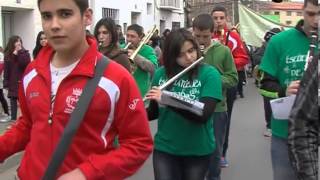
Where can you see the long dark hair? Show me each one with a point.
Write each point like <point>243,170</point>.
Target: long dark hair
<point>10,45</point>
<point>172,48</point>
<point>38,46</point>
<point>111,27</point>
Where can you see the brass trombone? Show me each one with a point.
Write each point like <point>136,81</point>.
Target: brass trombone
<point>144,41</point>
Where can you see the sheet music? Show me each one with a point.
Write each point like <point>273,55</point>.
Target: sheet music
<point>281,107</point>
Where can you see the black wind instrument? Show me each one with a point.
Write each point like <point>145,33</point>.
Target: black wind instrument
<point>313,45</point>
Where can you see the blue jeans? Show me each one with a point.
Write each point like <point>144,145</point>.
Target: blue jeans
<point>220,120</point>
<point>281,166</point>
<point>231,97</point>
<point>171,167</point>
<point>14,108</point>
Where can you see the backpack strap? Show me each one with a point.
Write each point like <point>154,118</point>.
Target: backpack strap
<point>227,38</point>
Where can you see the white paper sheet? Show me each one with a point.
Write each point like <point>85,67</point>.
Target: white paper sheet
<point>281,107</point>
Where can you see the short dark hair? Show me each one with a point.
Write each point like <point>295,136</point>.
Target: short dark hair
<point>203,22</point>
<point>111,27</point>
<point>82,5</point>
<point>270,33</point>
<point>314,2</point>
<point>166,32</point>
<point>219,8</point>
<point>172,48</point>
<point>137,28</point>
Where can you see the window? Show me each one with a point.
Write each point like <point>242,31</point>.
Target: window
<point>172,3</point>
<point>175,25</point>
<point>111,13</point>
<point>289,13</point>
<point>276,13</point>
<point>7,26</point>
<point>299,13</point>
<point>149,8</point>
<point>288,22</point>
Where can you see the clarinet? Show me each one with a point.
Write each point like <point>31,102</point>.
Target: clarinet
<point>312,55</point>
<point>312,50</point>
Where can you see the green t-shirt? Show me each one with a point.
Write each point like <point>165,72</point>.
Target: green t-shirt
<point>142,77</point>
<point>284,59</point>
<point>177,135</point>
<point>220,57</point>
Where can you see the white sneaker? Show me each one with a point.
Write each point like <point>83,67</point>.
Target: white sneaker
<point>267,133</point>
<point>5,119</point>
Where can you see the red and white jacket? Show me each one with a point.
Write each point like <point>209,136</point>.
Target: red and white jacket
<point>116,109</point>
<point>236,46</point>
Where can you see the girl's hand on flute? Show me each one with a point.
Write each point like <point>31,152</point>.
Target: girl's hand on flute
<point>154,94</point>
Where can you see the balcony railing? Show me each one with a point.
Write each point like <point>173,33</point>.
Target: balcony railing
<point>170,4</point>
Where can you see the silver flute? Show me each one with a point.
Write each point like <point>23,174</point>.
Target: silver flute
<point>177,76</point>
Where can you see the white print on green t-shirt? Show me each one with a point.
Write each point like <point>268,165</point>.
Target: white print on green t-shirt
<point>187,84</point>
<point>185,88</point>
<point>293,69</point>
<point>294,59</point>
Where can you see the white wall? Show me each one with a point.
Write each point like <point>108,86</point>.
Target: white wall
<point>24,3</point>
<point>171,17</point>
<point>125,8</point>
<point>23,26</point>
<point>140,6</point>
<point>26,20</point>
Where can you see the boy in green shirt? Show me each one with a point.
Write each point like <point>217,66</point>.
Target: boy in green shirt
<point>146,60</point>
<point>283,66</point>
<point>220,57</point>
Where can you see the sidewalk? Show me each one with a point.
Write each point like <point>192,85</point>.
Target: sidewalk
<point>8,169</point>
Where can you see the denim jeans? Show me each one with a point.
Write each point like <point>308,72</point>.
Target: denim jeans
<point>267,111</point>
<point>281,166</point>
<point>219,125</point>
<point>4,102</point>
<point>172,167</point>
<point>242,78</point>
<point>14,108</point>
<point>231,97</point>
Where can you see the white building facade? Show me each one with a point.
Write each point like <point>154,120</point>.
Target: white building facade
<point>19,17</point>
<point>162,13</point>
<point>22,18</point>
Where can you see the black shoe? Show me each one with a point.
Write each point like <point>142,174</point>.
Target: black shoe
<point>241,96</point>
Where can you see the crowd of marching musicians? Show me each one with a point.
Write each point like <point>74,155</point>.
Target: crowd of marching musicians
<point>187,80</point>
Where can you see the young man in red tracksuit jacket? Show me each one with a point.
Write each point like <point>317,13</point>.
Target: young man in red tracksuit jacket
<point>50,89</point>
<point>231,39</point>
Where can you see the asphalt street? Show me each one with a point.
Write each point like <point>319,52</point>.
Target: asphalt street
<point>249,150</point>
